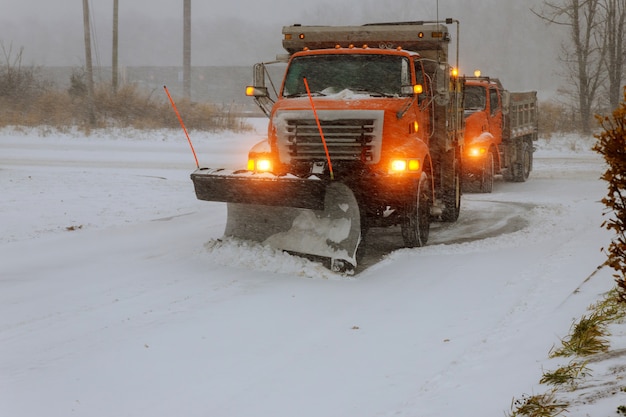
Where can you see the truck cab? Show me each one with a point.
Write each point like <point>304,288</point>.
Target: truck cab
<point>389,86</point>
<point>364,101</point>
<point>500,128</point>
<point>484,115</point>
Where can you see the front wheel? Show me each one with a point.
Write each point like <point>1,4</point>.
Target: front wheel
<point>486,180</point>
<point>451,186</point>
<point>416,217</point>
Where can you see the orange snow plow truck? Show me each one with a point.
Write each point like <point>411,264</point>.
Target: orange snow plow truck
<point>500,128</point>
<point>365,130</point>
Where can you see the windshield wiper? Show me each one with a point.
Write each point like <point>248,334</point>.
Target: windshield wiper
<point>373,93</point>
<point>304,94</point>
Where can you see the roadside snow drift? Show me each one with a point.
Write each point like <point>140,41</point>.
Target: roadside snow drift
<point>119,296</point>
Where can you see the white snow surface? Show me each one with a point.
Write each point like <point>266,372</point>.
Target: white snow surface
<point>118,296</point>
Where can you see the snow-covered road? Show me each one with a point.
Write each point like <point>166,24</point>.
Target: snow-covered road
<point>118,299</point>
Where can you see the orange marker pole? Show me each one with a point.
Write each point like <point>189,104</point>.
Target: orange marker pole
<point>319,127</point>
<point>180,119</point>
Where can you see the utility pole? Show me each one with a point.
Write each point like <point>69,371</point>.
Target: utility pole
<point>114,68</point>
<point>88,64</point>
<point>187,49</point>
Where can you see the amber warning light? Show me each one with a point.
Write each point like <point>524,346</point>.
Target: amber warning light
<point>253,91</point>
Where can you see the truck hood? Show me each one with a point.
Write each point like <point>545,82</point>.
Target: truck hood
<point>475,125</point>
<point>345,99</point>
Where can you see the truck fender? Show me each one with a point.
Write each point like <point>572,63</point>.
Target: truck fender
<point>487,140</point>
<point>483,138</point>
<point>261,147</point>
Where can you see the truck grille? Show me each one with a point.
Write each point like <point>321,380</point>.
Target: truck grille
<point>347,139</point>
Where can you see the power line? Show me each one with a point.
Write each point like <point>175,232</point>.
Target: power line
<point>95,37</point>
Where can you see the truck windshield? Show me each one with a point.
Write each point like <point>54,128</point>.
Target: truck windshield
<point>474,98</point>
<point>377,75</point>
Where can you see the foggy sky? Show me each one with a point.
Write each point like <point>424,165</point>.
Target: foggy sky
<point>501,37</point>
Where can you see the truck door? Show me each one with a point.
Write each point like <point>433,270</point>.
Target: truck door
<point>495,114</point>
<point>424,80</point>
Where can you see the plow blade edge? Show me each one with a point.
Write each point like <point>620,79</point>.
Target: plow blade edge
<point>307,216</point>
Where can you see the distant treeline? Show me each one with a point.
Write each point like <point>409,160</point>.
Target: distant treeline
<point>223,85</point>
<point>33,96</point>
<point>57,97</point>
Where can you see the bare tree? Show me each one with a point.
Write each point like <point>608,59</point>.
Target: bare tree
<point>584,50</point>
<point>615,20</point>
<point>18,84</point>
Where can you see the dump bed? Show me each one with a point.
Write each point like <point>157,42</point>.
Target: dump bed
<point>427,38</point>
<point>522,117</point>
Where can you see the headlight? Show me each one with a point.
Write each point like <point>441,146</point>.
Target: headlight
<point>404,165</point>
<point>260,165</point>
<point>477,151</point>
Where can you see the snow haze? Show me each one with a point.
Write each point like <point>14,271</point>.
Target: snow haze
<point>119,297</point>
<point>501,38</point>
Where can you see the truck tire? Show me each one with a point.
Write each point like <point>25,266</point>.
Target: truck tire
<point>416,217</point>
<point>486,179</point>
<point>451,186</point>
<point>522,167</point>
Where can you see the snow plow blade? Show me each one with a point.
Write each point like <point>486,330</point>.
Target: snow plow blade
<point>306,216</point>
